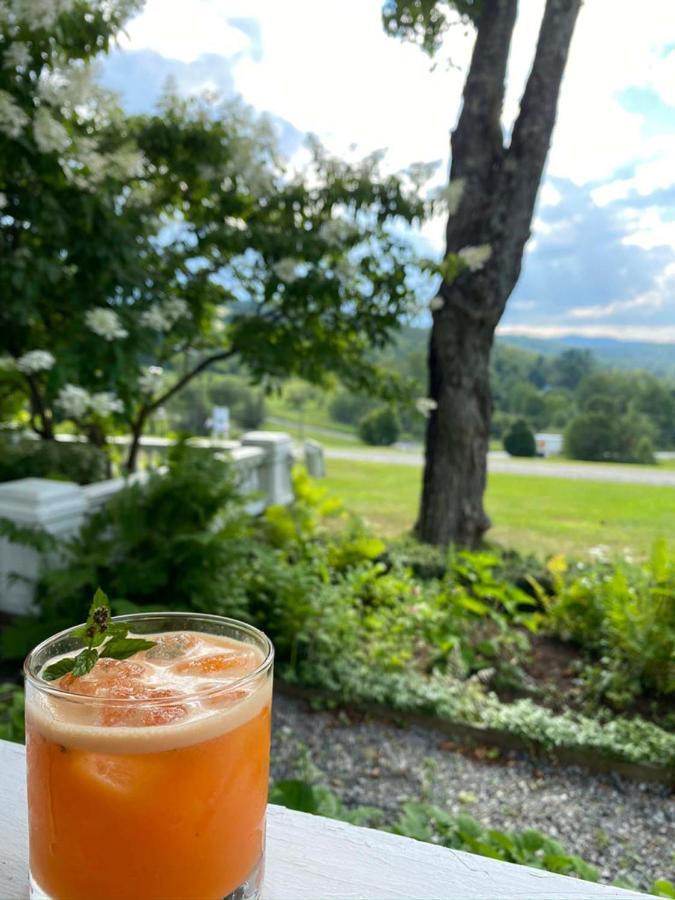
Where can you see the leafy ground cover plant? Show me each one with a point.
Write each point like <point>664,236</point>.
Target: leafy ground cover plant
<point>622,615</point>
<point>11,713</point>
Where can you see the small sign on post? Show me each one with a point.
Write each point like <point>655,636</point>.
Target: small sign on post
<point>220,421</point>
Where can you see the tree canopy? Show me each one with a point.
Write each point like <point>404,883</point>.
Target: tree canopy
<point>135,251</point>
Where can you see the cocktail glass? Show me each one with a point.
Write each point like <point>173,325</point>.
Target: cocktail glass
<point>147,778</point>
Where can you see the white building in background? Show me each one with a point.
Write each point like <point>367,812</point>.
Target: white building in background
<point>548,444</point>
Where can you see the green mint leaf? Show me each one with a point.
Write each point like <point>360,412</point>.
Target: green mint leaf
<point>123,648</point>
<point>84,662</point>
<point>117,630</point>
<point>100,601</point>
<point>59,669</point>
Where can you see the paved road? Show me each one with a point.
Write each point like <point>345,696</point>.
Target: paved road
<point>497,462</point>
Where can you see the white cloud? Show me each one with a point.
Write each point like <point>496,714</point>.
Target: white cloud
<point>650,299</point>
<point>330,69</point>
<point>658,297</point>
<point>613,48</point>
<point>658,334</point>
<point>650,230</point>
<point>549,195</point>
<point>663,78</point>
<point>185,31</point>
<point>652,175</point>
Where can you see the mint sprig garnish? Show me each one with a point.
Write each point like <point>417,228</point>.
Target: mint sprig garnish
<point>102,638</point>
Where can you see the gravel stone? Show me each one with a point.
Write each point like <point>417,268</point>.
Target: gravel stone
<point>624,828</point>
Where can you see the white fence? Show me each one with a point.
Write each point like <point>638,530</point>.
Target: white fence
<point>262,461</point>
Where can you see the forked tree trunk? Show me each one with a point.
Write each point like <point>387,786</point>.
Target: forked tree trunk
<point>498,187</point>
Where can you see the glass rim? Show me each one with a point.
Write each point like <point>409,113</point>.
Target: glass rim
<point>56,691</point>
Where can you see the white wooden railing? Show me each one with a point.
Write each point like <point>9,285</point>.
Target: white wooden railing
<point>262,461</point>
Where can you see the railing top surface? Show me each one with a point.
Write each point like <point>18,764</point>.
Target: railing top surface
<point>310,857</point>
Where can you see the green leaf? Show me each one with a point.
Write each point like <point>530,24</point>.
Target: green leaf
<point>84,662</point>
<point>117,630</point>
<point>100,599</point>
<point>58,669</point>
<point>474,606</point>
<point>123,647</point>
<point>295,794</point>
<point>663,888</point>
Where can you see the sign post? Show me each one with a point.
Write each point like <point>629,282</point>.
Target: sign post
<point>220,421</point>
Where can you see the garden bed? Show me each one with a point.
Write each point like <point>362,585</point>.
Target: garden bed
<point>494,740</point>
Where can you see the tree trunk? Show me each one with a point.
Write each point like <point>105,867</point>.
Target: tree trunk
<point>497,186</point>
<point>458,432</point>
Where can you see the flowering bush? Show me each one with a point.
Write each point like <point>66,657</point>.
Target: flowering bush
<point>103,319</point>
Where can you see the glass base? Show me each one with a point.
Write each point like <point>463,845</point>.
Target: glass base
<point>247,890</point>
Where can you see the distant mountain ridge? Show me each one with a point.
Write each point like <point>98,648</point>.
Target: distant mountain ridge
<point>652,357</point>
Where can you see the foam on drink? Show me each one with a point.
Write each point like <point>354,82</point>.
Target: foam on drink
<point>188,688</point>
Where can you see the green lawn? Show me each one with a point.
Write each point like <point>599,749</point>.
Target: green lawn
<point>309,434</point>
<point>543,515</point>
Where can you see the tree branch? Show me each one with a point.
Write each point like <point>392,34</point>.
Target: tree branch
<point>483,94</point>
<point>531,138</point>
<point>477,142</point>
<point>184,379</point>
<point>38,408</point>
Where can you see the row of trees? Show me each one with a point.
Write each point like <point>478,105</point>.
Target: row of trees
<point>549,393</point>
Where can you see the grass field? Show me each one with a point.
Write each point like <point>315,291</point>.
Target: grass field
<point>541,515</point>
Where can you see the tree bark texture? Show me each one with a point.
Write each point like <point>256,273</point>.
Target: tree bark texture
<point>499,185</point>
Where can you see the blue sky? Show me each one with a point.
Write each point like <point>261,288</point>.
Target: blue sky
<point>601,260</point>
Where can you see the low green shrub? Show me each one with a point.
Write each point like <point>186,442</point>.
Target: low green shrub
<point>602,435</point>
<point>24,458</point>
<point>519,440</point>
<point>380,427</point>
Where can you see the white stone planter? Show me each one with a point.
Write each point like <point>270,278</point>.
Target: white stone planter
<point>262,462</point>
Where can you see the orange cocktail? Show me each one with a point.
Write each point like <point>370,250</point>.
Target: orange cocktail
<point>147,777</point>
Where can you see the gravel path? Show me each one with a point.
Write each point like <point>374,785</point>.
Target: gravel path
<point>624,828</point>
<point>499,463</point>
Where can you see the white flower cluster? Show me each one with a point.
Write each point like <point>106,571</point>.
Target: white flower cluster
<point>425,406</point>
<point>335,231</point>
<point>69,86</point>
<point>13,119</point>
<point>17,56</point>
<point>76,402</point>
<point>163,316</point>
<point>40,13</point>
<point>73,401</point>
<point>286,269</point>
<point>105,323</point>
<point>35,361</point>
<point>104,403</point>
<point>86,167</point>
<point>475,257</point>
<point>450,195</point>
<point>50,135</point>
<point>151,380</point>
